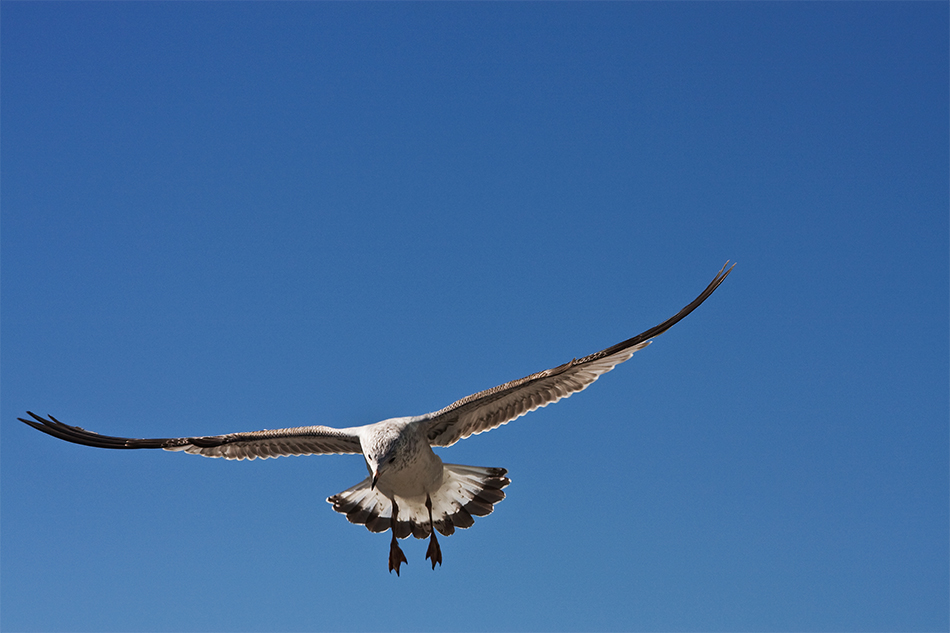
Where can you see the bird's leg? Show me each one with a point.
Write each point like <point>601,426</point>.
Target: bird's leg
<point>396,556</point>
<point>434,552</point>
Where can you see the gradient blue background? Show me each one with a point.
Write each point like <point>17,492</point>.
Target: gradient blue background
<point>226,217</point>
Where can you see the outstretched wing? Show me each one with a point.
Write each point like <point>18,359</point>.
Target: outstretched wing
<point>303,440</point>
<point>491,408</point>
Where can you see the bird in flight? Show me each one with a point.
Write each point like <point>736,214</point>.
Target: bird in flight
<point>409,489</point>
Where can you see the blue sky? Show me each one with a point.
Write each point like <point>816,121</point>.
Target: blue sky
<point>225,217</point>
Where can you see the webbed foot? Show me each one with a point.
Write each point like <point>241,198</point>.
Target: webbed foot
<point>434,552</point>
<point>396,556</point>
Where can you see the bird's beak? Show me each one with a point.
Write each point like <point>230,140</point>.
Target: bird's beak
<point>375,477</point>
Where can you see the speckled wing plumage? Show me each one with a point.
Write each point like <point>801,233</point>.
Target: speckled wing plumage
<point>499,405</point>
<point>304,440</point>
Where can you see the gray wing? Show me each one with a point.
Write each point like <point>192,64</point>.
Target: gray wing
<point>491,408</point>
<point>303,440</point>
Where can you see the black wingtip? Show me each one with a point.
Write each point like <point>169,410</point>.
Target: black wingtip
<point>37,422</point>
<point>79,435</point>
<point>670,322</point>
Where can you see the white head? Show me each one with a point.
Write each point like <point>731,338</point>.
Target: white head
<point>380,446</point>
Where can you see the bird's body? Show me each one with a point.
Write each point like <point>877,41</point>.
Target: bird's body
<point>409,489</point>
<point>414,468</point>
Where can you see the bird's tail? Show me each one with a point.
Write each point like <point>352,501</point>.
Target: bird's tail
<point>466,492</point>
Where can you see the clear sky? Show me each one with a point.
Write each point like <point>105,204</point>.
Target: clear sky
<point>225,217</point>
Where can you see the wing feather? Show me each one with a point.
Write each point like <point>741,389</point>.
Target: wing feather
<point>303,440</point>
<point>499,405</point>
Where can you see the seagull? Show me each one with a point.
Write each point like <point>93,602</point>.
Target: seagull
<point>409,489</point>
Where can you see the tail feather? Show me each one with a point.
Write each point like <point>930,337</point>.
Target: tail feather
<point>465,491</point>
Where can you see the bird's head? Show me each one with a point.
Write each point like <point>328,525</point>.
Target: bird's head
<point>377,465</point>
<point>381,447</point>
